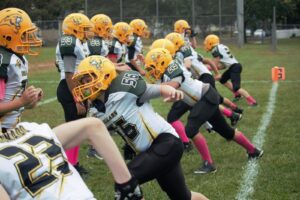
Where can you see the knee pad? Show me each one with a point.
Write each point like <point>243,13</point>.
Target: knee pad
<point>236,88</point>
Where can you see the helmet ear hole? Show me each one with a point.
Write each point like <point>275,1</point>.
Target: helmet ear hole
<point>162,63</point>
<point>106,76</point>
<point>8,38</point>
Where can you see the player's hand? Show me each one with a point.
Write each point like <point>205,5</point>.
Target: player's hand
<point>121,67</point>
<point>128,191</point>
<point>141,57</point>
<point>29,97</point>
<point>81,110</point>
<point>142,72</point>
<point>170,94</point>
<point>217,77</point>
<point>39,93</point>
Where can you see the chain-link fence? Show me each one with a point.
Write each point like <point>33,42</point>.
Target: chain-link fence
<point>206,17</point>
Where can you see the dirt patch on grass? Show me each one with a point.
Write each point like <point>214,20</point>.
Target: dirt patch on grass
<point>40,67</point>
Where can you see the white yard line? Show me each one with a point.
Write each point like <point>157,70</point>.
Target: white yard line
<point>246,186</point>
<point>47,101</point>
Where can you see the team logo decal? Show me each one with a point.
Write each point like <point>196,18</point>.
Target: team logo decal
<point>12,20</point>
<point>76,20</point>
<point>18,63</point>
<point>96,63</point>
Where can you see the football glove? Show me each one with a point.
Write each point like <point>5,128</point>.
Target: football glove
<point>128,191</point>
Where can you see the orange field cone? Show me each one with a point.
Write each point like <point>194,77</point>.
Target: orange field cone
<point>278,73</point>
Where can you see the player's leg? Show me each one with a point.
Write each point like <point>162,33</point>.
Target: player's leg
<point>200,113</point>
<point>3,194</point>
<point>75,132</point>
<point>173,183</point>
<point>221,127</point>
<point>235,77</point>
<point>177,110</point>
<point>70,111</point>
<point>233,116</point>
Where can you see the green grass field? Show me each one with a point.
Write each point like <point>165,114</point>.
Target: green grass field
<point>278,173</point>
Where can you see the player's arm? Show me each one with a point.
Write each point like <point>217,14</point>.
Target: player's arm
<point>3,193</point>
<point>217,62</point>
<point>28,99</point>
<point>167,92</point>
<point>131,52</point>
<point>122,67</point>
<point>74,133</point>
<point>213,66</point>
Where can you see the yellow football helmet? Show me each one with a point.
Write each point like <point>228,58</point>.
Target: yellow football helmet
<point>210,41</point>
<point>176,39</point>
<point>78,25</point>
<point>164,43</point>
<point>17,32</point>
<point>156,62</point>
<point>123,32</point>
<point>140,28</point>
<point>180,26</point>
<point>103,26</point>
<point>94,74</point>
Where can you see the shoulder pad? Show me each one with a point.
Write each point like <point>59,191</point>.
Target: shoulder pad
<point>67,45</point>
<point>215,52</point>
<point>95,46</point>
<point>174,69</point>
<point>5,57</point>
<point>135,38</point>
<point>186,51</point>
<point>130,81</point>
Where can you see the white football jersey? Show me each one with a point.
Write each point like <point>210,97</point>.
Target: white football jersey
<point>115,47</point>
<point>137,46</point>
<point>14,70</point>
<point>223,52</point>
<point>192,88</point>
<point>139,125</point>
<point>70,46</point>
<point>97,46</point>
<point>199,68</point>
<point>34,166</point>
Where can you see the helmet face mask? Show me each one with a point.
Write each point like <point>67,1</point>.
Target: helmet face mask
<point>140,28</point>
<point>123,32</point>
<point>95,74</point>
<point>211,41</point>
<point>103,26</point>
<point>156,62</point>
<point>17,32</point>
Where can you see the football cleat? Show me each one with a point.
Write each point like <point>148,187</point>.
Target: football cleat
<point>238,110</point>
<point>235,118</point>
<point>256,154</point>
<point>81,170</point>
<point>206,168</point>
<point>187,146</point>
<point>92,153</point>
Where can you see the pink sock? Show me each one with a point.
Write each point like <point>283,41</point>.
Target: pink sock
<point>179,127</point>
<point>236,94</point>
<point>72,155</point>
<point>232,105</point>
<point>250,100</point>
<point>227,112</point>
<point>201,145</point>
<point>242,140</point>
